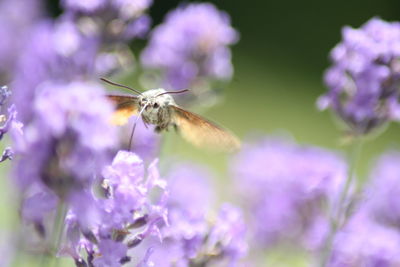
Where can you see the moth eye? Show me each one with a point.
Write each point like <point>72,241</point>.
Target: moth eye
<point>155,105</point>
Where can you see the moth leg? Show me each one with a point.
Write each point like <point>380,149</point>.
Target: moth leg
<point>161,127</point>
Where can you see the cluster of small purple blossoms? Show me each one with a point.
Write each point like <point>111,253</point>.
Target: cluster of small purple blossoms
<point>194,237</point>
<point>8,120</point>
<point>371,237</point>
<point>288,205</point>
<point>120,220</point>
<point>364,78</point>
<point>113,24</point>
<point>190,49</point>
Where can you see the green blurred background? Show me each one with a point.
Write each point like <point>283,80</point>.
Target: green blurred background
<point>279,62</point>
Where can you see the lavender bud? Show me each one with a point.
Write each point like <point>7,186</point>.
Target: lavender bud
<point>125,259</point>
<point>119,235</point>
<point>7,154</point>
<point>90,236</point>
<point>135,241</point>
<point>205,55</point>
<point>5,93</point>
<point>80,263</point>
<point>139,222</point>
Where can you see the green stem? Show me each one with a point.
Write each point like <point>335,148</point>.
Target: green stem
<point>338,219</point>
<point>56,235</point>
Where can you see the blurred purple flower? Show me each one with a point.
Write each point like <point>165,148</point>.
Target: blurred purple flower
<point>192,238</point>
<point>124,9</point>
<point>382,193</point>
<point>288,204</point>
<point>14,30</point>
<point>37,206</point>
<point>111,254</point>
<point>364,78</point>
<point>112,23</point>
<point>85,5</point>
<point>363,242</point>
<point>371,236</point>
<point>56,53</point>
<point>66,142</point>
<point>191,190</point>
<point>191,46</point>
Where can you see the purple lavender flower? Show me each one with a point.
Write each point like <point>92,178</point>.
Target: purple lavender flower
<point>110,20</point>
<point>65,144</point>
<point>219,242</point>
<point>365,243</point>
<point>8,122</point>
<point>112,23</point>
<point>111,254</point>
<point>191,189</point>
<point>193,237</point>
<point>383,191</point>
<point>191,47</point>
<point>14,30</point>
<point>124,218</point>
<point>125,9</point>
<point>56,52</point>
<point>288,204</point>
<point>371,237</point>
<point>364,77</point>
<point>84,6</point>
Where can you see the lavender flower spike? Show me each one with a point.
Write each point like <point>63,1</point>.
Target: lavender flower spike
<point>288,204</point>
<point>364,78</point>
<point>191,47</point>
<point>382,193</point>
<point>364,242</point>
<point>194,237</point>
<point>109,228</point>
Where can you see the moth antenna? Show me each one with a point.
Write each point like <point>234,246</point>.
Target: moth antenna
<point>134,127</point>
<point>120,85</point>
<point>174,92</point>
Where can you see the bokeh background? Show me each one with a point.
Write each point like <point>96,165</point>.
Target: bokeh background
<point>279,63</point>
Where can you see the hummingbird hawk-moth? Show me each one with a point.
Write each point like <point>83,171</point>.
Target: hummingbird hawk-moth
<point>157,107</point>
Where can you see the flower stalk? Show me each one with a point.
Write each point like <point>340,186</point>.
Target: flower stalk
<point>339,214</point>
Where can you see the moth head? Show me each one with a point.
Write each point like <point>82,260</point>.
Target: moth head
<point>155,99</point>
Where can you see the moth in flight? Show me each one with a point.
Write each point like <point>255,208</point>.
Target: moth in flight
<point>157,107</point>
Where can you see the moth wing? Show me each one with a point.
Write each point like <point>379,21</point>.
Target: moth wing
<point>125,107</point>
<point>203,133</point>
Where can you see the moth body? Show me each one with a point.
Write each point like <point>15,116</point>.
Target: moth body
<point>155,106</point>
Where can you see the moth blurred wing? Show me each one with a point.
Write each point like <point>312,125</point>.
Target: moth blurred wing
<point>125,107</point>
<point>203,133</point>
